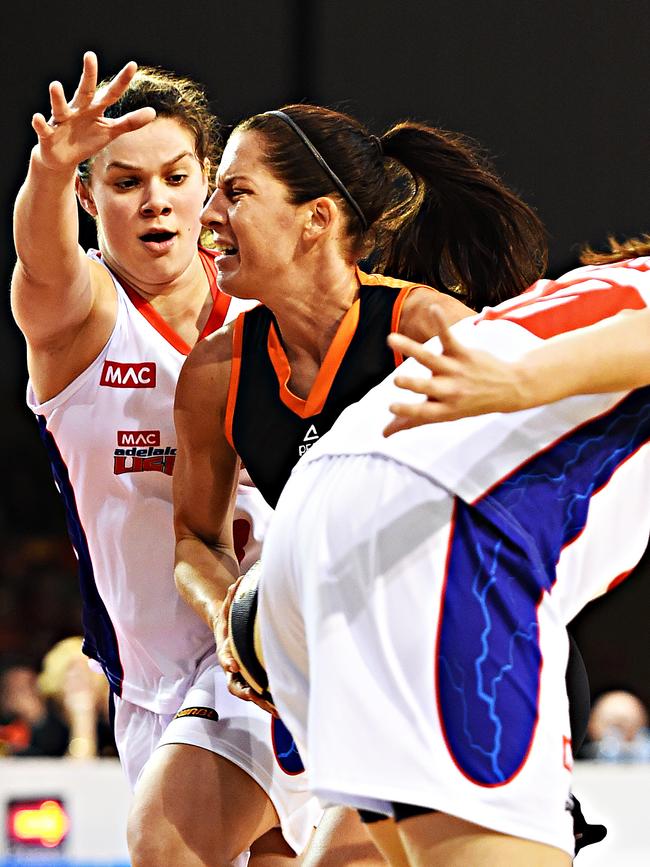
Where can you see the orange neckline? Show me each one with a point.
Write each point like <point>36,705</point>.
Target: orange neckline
<point>315,400</point>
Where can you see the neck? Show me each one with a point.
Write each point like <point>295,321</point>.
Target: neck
<point>185,289</point>
<point>309,315</point>
<point>183,302</point>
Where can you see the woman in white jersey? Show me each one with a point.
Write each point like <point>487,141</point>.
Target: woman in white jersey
<point>107,333</point>
<point>427,578</point>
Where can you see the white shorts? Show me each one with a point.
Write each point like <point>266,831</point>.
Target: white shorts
<point>406,654</point>
<point>211,718</point>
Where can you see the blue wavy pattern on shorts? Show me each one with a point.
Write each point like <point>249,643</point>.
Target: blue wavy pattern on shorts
<point>286,751</point>
<point>503,558</point>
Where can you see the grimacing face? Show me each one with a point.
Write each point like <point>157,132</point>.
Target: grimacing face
<point>254,224</point>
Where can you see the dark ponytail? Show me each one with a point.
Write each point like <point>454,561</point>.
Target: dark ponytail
<point>419,202</point>
<point>460,226</point>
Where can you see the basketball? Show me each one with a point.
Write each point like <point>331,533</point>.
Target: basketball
<point>245,633</point>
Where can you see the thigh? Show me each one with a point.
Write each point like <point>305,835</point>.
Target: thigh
<point>342,840</point>
<point>216,724</point>
<point>192,803</point>
<point>439,840</point>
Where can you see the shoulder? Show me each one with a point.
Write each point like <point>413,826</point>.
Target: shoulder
<point>209,355</point>
<point>415,319</point>
<point>202,390</point>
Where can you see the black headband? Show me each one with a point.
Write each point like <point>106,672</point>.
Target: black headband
<point>338,183</point>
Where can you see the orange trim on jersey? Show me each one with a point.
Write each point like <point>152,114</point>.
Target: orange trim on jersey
<point>561,307</point>
<point>381,280</point>
<point>394,283</point>
<point>397,313</point>
<point>315,401</point>
<point>235,369</point>
<point>220,301</point>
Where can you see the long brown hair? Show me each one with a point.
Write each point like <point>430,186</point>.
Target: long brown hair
<point>430,207</point>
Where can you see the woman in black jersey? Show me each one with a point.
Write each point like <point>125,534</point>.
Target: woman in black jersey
<point>302,196</point>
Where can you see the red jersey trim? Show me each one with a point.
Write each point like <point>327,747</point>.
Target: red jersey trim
<point>215,320</point>
<point>567,306</point>
<point>619,579</point>
<point>233,384</point>
<point>221,301</point>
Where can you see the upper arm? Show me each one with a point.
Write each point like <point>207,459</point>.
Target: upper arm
<point>65,326</point>
<point>206,470</point>
<point>415,320</point>
<point>47,304</point>
<point>61,301</point>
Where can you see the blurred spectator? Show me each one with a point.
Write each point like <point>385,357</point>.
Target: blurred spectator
<point>28,725</point>
<point>61,711</point>
<point>618,729</point>
<point>80,695</point>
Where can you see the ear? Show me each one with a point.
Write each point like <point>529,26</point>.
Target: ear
<point>322,216</point>
<point>85,197</point>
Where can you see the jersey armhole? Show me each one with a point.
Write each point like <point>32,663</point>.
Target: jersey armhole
<point>233,384</point>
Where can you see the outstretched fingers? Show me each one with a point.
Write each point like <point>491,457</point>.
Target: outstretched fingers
<point>41,127</point>
<point>78,129</point>
<point>58,103</point>
<point>87,86</point>
<point>132,121</point>
<point>113,90</point>
<point>439,389</point>
<point>450,346</point>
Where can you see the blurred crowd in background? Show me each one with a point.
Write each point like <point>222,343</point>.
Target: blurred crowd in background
<point>60,708</point>
<point>51,702</point>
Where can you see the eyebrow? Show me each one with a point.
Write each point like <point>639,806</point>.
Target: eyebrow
<point>236,176</point>
<point>117,164</point>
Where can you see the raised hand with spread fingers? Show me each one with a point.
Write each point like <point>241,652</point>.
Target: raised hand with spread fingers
<point>78,129</point>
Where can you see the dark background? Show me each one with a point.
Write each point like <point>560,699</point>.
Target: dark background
<point>555,90</point>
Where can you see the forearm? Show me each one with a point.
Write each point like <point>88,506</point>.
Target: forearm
<point>203,575</point>
<point>613,355</point>
<point>46,223</point>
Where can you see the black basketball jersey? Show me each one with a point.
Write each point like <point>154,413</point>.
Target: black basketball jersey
<point>267,425</point>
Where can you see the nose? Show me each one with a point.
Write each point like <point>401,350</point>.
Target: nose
<point>155,201</point>
<point>214,211</point>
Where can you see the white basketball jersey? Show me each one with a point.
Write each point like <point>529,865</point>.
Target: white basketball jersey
<point>470,455</point>
<point>112,446</point>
